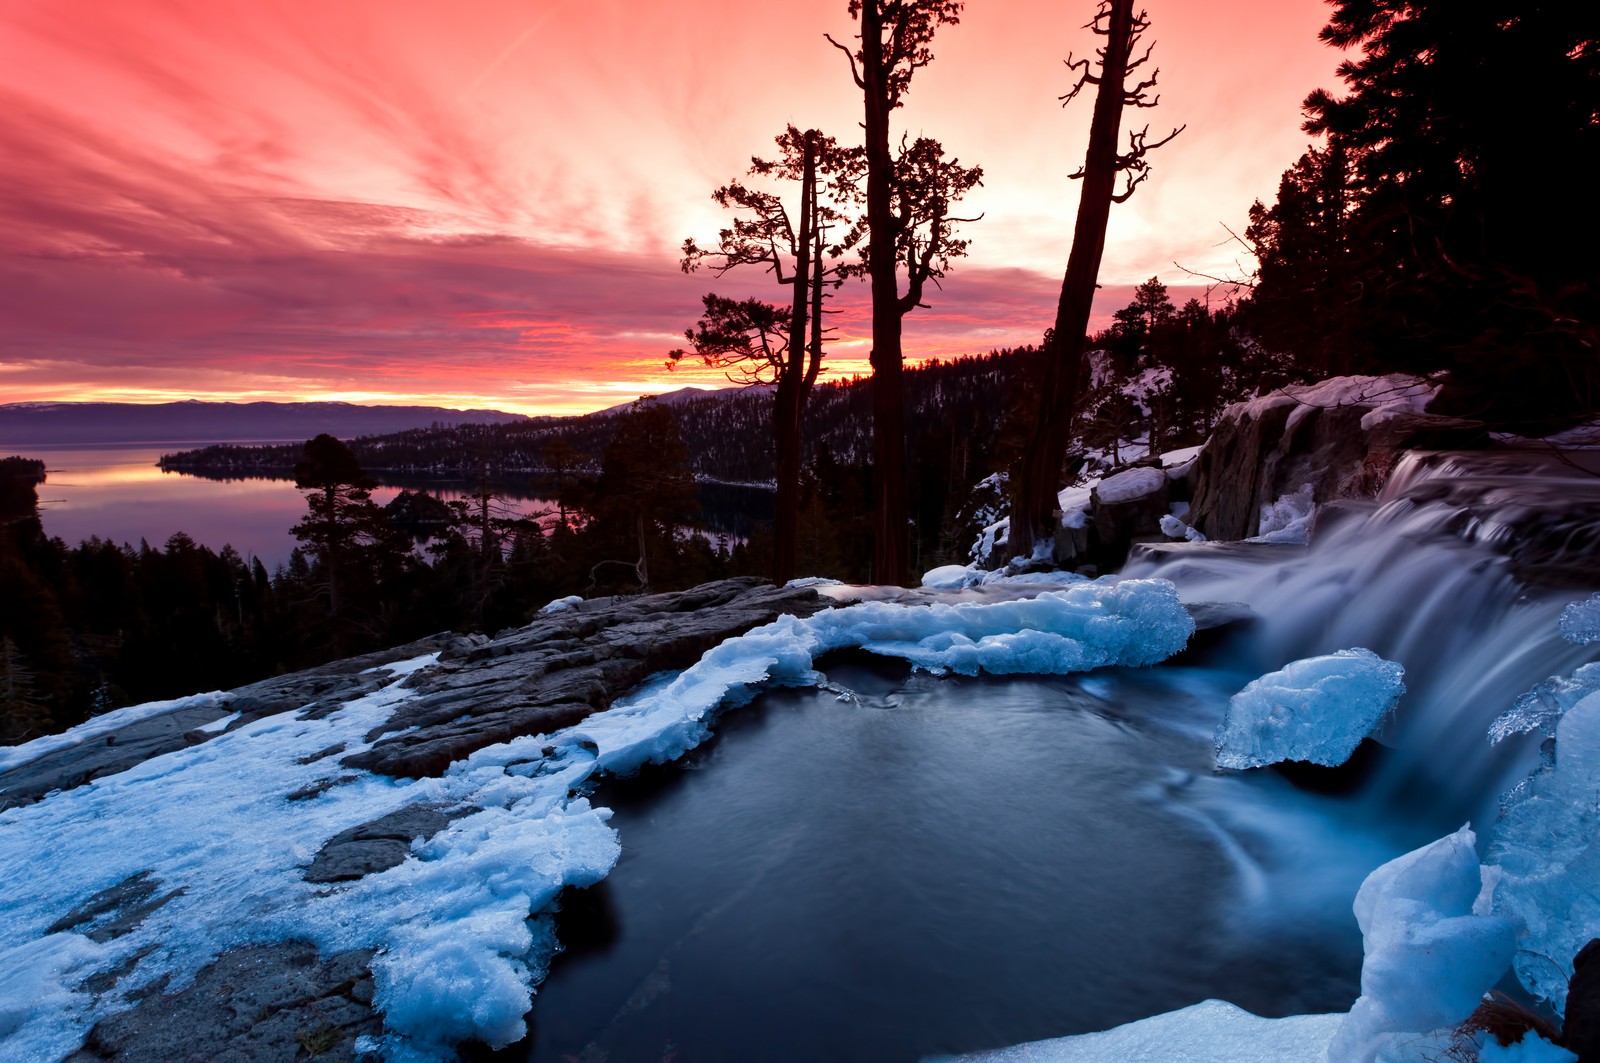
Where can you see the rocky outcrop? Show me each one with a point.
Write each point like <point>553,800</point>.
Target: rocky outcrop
<point>1342,437</point>
<point>561,668</point>
<point>261,1004</point>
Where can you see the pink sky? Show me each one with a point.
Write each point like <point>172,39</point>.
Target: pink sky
<point>481,202</point>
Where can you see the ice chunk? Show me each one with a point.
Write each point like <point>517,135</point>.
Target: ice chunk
<point>1131,484</point>
<point>1288,520</point>
<point>1209,1032</point>
<point>1547,843</point>
<point>1317,709</point>
<point>1430,953</point>
<point>1542,706</point>
<point>1173,527</point>
<point>1580,621</point>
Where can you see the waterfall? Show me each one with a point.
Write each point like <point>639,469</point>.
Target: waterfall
<point>1456,572</point>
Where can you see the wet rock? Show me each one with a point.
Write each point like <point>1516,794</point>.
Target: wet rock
<point>1580,1031</point>
<point>116,911</point>
<point>253,1005</point>
<point>376,846</point>
<point>1260,452</point>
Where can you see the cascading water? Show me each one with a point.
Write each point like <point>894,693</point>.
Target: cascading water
<point>1454,572</point>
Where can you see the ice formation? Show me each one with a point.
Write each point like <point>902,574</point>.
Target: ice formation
<point>1317,709</point>
<point>1547,844</point>
<point>1288,520</point>
<point>1580,621</point>
<point>1432,948</point>
<point>1542,706</point>
<point>458,955</point>
<point>1173,527</point>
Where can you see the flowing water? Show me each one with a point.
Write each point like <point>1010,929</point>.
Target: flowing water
<point>940,865</point>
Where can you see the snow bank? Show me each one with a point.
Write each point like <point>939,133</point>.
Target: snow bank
<point>12,756</point>
<point>1288,520</point>
<point>1385,396</point>
<point>1080,627</point>
<point>1209,1032</point>
<point>561,605</point>
<point>1432,949</point>
<point>1317,709</point>
<point>1547,843</point>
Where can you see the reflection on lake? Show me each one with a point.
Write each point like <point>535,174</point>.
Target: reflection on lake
<point>118,493</point>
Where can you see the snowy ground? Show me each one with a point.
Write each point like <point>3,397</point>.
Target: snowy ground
<point>225,828</point>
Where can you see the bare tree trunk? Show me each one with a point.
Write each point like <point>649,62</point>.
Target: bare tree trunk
<point>1034,492</point>
<point>789,400</point>
<point>888,383</point>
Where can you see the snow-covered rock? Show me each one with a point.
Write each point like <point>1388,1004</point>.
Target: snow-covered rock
<point>1130,484</point>
<point>1432,949</point>
<point>1317,710</point>
<point>1341,436</point>
<point>1547,844</point>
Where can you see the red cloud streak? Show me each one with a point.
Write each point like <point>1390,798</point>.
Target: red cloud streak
<point>375,202</point>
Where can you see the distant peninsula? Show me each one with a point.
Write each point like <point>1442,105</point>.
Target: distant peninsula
<point>120,422</point>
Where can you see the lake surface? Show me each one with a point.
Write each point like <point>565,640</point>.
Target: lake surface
<point>118,493</point>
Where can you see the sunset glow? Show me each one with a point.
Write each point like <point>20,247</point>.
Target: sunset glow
<point>481,203</point>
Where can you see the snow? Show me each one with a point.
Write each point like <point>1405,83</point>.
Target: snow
<point>460,938</point>
<point>1317,709</point>
<point>27,752</point>
<point>950,577</point>
<point>1173,527</point>
<point>561,605</point>
<point>1130,484</point>
<point>1432,949</point>
<point>1547,844</point>
<point>1384,396</point>
<point>1580,621</point>
<point>1209,1032</point>
<point>1288,520</point>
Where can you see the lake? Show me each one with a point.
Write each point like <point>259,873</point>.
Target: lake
<point>118,493</point>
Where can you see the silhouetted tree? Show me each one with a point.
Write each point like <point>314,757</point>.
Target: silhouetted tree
<point>1036,482</point>
<point>345,533</point>
<point>1457,118</point>
<point>759,343</point>
<point>908,227</point>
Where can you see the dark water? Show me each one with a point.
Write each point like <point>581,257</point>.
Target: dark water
<point>951,864</point>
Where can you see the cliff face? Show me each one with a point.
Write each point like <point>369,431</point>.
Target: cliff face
<point>1341,436</point>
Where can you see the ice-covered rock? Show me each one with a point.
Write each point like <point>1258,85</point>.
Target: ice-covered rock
<point>1547,844</point>
<point>1580,621</point>
<point>1288,519</point>
<point>1173,527</point>
<point>1432,949</point>
<point>1542,706</point>
<point>1317,709</point>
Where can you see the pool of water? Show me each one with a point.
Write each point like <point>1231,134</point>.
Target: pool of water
<point>940,865</point>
